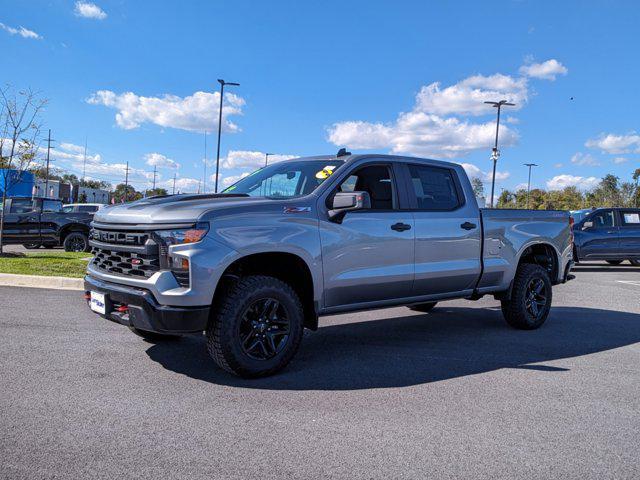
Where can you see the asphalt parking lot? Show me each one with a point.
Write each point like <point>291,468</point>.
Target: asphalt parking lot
<point>384,394</point>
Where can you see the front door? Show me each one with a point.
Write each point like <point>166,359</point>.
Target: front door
<point>601,240</point>
<point>448,233</point>
<point>369,256</point>
<point>21,222</point>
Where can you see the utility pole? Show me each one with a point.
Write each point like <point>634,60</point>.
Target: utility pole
<point>155,172</point>
<point>266,158</point>
<point>529,181</point>
<point>495,153</point>
<point>126,183</point>
<point>222,84</point>
<point>174,184</point>
<point>204,176</point>
<point>84,161</point>
<point>46,181</point>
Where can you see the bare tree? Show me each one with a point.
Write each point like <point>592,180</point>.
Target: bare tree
<point>19,135</point>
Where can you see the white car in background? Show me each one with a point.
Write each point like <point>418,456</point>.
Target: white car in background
<point>82,207</point>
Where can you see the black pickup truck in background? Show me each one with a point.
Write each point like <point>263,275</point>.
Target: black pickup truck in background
<point>34,222</point>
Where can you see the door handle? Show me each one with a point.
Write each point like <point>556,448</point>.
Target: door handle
<point>468,226</point>
<point>400,227</point>
<point>610,232</point>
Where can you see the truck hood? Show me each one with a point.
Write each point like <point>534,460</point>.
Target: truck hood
<point>172,208</point>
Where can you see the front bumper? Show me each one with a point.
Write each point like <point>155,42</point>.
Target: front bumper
<point>144,312</point>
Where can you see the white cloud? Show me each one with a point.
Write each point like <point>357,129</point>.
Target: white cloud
<point>512,120</point>
<point>229,179</point>
<point>23,32</point>
<point>616,144</point>
<point>561,181</point>
<point>522,186</point>
<point>467,97</point>
<point>548,70</point>
<point>183,185</point>
<point>558,165</point>
<point>250,159</point>
<point>159,160</point>
<point>584,160</point>
<point>474,172</point>
<point>89,10</point>
<point>196,113</point>
<point>620,160</point>
<point>434,126</point>
<point>70,152</point>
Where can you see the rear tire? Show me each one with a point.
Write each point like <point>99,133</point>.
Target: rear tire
<point>76,242</point>
<point>614,262</point>
<point>256,327</point>
<point>423,307</point>
<point>530,301</point>
<point>153,337</point>
<point>635,262</point>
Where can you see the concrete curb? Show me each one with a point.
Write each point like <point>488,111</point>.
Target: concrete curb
<point>38,281</point>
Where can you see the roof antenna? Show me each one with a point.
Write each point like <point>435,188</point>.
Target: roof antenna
<point>343,153</point>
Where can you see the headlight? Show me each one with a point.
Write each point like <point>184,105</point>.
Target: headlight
<point>183,236</point>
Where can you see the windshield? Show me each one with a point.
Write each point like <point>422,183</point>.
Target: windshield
<point>578,215</point>
<point>286,179</point>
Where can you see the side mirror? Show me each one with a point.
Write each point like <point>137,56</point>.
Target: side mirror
<point>587,225</point>
<point>344,202</point>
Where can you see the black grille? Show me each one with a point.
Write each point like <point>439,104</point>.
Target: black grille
<point>133,254</point>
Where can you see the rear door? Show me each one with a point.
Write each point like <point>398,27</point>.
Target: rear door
<point>369,256</point>
<point>602,239</point>
<point>630,232</point>
<point>448,233</point>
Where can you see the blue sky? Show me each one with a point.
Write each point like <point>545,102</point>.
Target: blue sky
<point>137,80</point>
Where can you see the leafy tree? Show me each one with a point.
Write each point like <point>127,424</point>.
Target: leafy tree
<point>478,187</point>
<point>126,193</point>
<point>19,135</point>
<point>156,191</point>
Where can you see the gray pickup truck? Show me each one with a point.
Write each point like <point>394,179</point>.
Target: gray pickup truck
<point>256,264</point>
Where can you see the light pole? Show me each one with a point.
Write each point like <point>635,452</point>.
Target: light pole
<point>495,153</point>
<point>266,158</point>
<point>529,181</point>
<point>222,84</point>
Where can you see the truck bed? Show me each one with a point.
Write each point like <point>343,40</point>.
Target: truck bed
<point>508,232</point>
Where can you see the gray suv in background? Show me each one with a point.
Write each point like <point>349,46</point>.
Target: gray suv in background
<point>256,264</point>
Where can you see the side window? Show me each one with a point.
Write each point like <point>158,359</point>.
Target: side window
<point>434,188</point>
<point>603,219</point>
<point>51,206</point>
<point>88,208</point>
<point>630,218</point>
<point>21,205</point>
<point>376,181</point>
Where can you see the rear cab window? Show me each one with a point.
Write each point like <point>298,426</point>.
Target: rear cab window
<point>21,205</point>
<point>435,188</point>
<point>630,218</point>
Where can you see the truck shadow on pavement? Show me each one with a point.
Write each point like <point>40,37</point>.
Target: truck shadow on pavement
<point>604,268</point>
<point>447,343</point>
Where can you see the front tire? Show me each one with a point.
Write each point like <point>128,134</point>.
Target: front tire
<point>423,307</point>
<point>256,328</point>
<point>530,301</point>
<point>153,337</point>
<point>614,262</point>
<point>76,242</point>
<point>31,246</point>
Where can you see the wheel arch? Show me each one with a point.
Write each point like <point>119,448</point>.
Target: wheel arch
<point>285,266</point>
<point>543,254</point>
<point>71,228</point>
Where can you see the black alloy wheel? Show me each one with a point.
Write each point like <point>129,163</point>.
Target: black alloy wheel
<point>536,298</point>
<point>264,329</point>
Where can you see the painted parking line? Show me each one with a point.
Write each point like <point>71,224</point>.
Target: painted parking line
<point>630,282</point>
